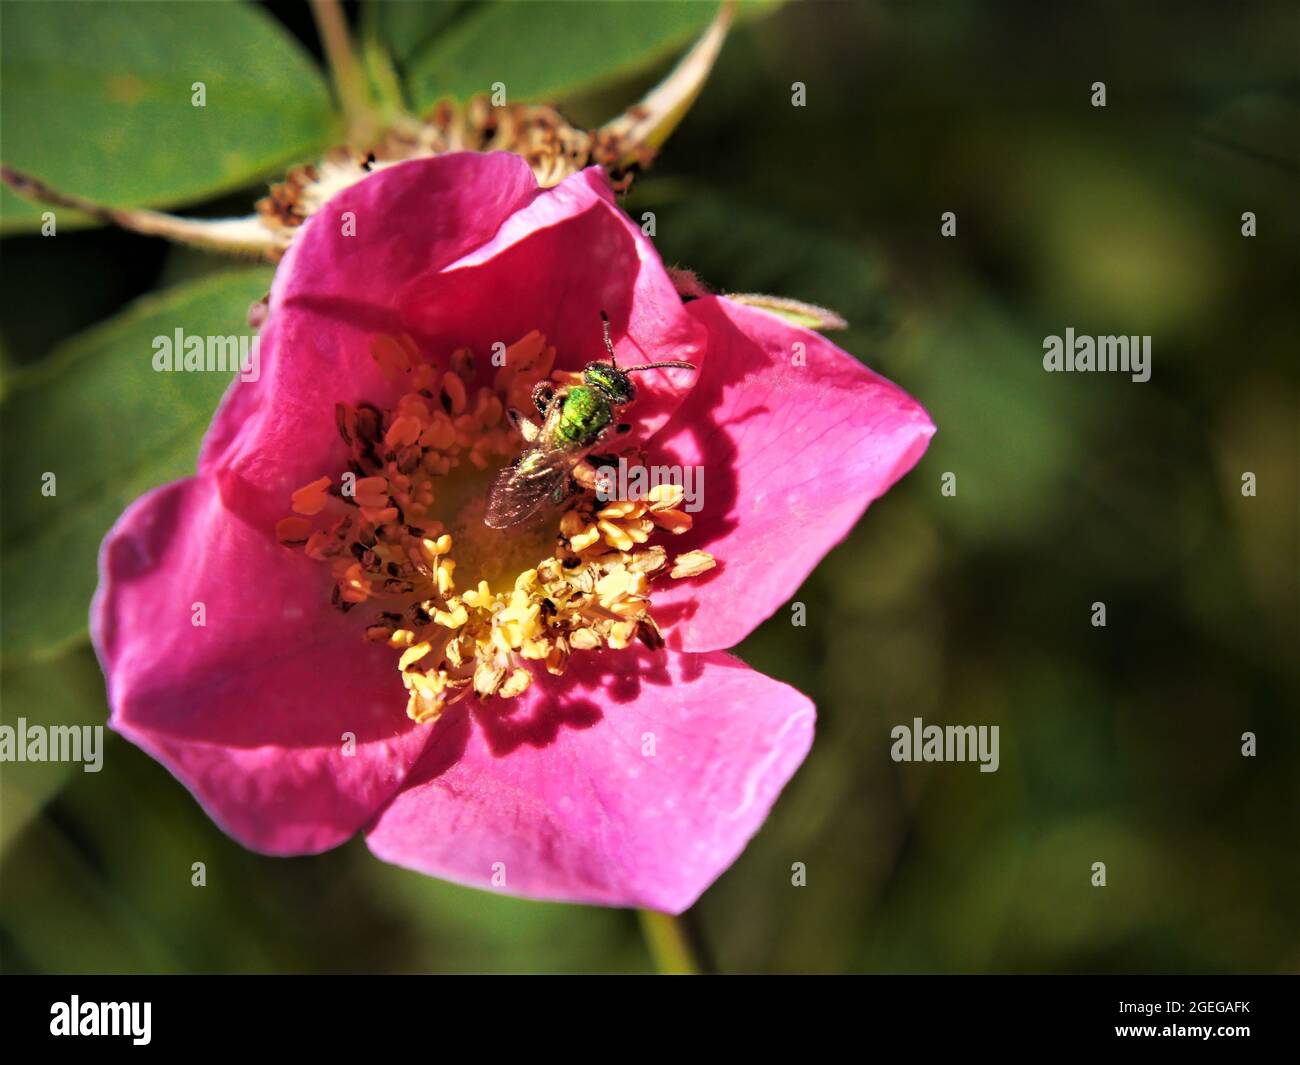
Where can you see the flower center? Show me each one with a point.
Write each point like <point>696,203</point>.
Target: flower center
<point>470,607</point>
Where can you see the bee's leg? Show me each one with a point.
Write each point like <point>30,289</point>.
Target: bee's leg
<point>528,428</point>
<point>634,457</point>
<point>596,474</point>
<point>543,393</point>
<point>609,437</point>
<point>586,476</point>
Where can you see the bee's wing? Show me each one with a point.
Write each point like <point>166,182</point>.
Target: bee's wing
<point>521,490</point>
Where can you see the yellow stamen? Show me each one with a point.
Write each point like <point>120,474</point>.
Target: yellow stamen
<point>692,564</point>
<point>415,497</point>
<point>311,499</point>
<point>292,530</point>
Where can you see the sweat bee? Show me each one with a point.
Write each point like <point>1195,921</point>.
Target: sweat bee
<point>575,419</point>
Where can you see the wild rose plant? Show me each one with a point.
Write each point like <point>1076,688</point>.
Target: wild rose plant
<point>319,634</point>
<point>549,711</point>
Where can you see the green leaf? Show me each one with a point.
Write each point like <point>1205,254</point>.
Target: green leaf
<point>97,101</point>
<point>550,51</point>
<point>108,427</point>
<point>407,27</point>
<point>67,691</point>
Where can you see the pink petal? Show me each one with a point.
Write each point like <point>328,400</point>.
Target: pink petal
<point>555,265</point>
<point>559,797</point>
<point>331,294</point>
<point>249,711</point>
<point>460,250</point>
<point>792,456</point>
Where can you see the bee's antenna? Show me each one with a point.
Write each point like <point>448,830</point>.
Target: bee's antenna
<point>609,344</point>
<point>662,366</point>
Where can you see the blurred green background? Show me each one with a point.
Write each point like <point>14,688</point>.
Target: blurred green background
<point>1120,744</point>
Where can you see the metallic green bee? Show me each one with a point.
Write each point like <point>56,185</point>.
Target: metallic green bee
<point>575,419</point>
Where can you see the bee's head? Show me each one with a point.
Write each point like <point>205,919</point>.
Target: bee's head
<point>610,380</point>
<point>614,383</point>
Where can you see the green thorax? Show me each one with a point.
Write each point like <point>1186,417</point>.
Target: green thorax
<point>584,414</point>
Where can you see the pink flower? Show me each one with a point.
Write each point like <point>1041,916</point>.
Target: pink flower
<point>552,746</point>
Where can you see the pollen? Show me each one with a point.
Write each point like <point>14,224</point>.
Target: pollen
<point>625,524</point>
<point>692,564</point>
<point>467,609</point>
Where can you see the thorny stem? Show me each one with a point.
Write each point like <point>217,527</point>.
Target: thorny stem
<point>669,944</point>
<point>349,79</point>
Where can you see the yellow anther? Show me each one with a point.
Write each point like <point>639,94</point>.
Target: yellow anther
<point>453,619</point>
<point>311,499</point>
<point>691,564</point>
<point>413,654</point>
<point>665,496</point>
<point>391,557</point>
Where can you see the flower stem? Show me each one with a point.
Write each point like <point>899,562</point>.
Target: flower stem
<point>233,236</point>
<point>349,78</point>
<point>669,944</point>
